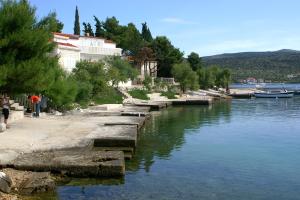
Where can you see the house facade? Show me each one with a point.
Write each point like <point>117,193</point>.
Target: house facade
<point>74,48</point>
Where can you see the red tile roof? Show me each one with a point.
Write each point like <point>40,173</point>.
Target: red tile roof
<point>66,44</point>
<point>71,36</point>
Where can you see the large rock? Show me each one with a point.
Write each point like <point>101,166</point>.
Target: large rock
<point>4,196</point>
<point>27,182</point>
<point>5,183</point>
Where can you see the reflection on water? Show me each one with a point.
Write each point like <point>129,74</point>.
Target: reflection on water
<point>247,149</point>
<point>166,131</point>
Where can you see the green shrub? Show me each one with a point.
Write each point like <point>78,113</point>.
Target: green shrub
<point>109,96</point>
<point>169,94</point>
<point>139,94</point>
<point>147,82</point>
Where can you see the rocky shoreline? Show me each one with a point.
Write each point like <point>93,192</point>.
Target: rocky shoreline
<point>27,183</point>
<point>90,143</point>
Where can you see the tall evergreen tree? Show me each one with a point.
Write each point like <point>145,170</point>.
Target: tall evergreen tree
<point>85,28</point>
<point>76,23</point>
<point>146,33</point>
<point>99,32</point>
<point>51,23</point>
<point>131,39</point>
<point>90,30</point>
<point>166,54</point>
<point>113,29</point>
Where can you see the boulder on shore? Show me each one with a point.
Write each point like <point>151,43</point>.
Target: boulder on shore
<point>4,196</point>
<point>5,183</point>
<point>27,182</point>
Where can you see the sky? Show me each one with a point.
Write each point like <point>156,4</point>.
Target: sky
<point>207,27</point>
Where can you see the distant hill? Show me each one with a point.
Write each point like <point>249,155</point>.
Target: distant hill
<point>277,66</point>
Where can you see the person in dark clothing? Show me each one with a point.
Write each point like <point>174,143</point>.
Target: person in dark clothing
<point>5,107</point>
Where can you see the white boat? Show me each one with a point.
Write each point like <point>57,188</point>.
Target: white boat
<point>274,94</point>
<point>260,85</point>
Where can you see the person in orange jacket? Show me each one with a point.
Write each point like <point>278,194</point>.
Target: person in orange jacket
<point>35,100</point>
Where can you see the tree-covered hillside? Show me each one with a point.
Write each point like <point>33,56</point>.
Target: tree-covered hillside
<point>277,66</point>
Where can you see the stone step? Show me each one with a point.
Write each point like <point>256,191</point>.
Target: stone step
<point>124,137</point>
<point>15,115</point>
<point>124,149</point>
<point>137,114</point>
<point>128,151</point>
<point>11,102</point>
<point>75,163</point>
<point>18,108</point>
<point>2,127</point>
<point>14,105</point>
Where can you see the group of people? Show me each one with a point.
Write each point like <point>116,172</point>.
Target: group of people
<point>35,106</point>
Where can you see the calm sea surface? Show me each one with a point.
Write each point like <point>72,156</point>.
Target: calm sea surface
<point>244,149</point>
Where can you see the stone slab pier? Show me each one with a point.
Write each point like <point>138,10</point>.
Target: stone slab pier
<point>74,163</point>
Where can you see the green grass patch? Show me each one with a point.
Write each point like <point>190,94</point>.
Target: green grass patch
<point>139,94</point>
<point>169,94</point>
<point>109,96</point>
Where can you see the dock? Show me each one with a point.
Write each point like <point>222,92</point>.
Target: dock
<point>242,93</point>
<point>154,106</point>
<point>193,101</point>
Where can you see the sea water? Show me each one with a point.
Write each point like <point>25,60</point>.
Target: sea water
<point>243,149</point>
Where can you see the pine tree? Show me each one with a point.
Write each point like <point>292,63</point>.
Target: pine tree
<point>87,29</point>
<point>146,33</point>
<point>90,30</point>
<point>76,23</point>
<point>99,32</point>
<point>24,56</point>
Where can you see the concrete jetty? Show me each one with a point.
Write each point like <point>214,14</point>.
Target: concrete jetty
<point>192,101</point>
<point>242,93</point>
<point>92,142</point>
<point>75,163</point>
<point>44,144</point>
<point>154,106</point>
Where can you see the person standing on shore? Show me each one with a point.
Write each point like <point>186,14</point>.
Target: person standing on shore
<point>35,100</point>
<point>5,108</point>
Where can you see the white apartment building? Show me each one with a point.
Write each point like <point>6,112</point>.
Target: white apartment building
<point>73,48</point>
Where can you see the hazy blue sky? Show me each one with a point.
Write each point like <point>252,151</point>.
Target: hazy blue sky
<point>206,27</point>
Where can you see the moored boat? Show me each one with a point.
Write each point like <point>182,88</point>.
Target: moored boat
<point>274,94</point>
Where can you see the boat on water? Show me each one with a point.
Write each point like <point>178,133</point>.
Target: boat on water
<point>274,94</point>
